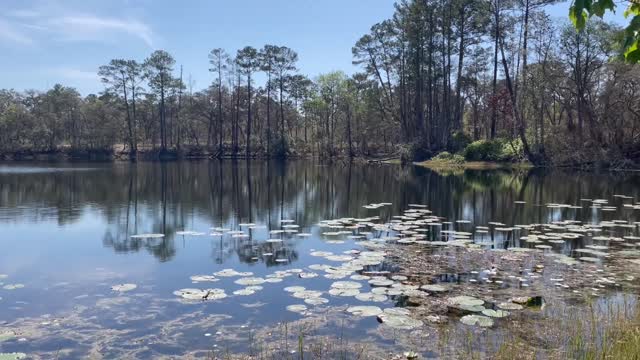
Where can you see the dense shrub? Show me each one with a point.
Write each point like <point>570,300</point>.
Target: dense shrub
<point>448,157</point>
<point>494,150</point>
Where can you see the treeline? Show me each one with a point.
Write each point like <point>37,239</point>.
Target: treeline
<point>437,76</point>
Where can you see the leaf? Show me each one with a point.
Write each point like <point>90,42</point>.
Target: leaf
<point>599,7</point>
<point>633,9</point>
<point>632,54</point>
<point>578,17</point>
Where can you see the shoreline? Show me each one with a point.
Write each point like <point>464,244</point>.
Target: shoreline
<point>189,154</point>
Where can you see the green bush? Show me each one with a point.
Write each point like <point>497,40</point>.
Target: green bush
<point>494,150</point>
<point>483,150</point>
<point>446,156</point>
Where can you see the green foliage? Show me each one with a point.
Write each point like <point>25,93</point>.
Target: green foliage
<point>581,10</point>
<point>459,140</point>
<point>448,157</point>
<point>494,150</point>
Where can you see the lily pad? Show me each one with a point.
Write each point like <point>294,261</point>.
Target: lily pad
<point>201,294</point>
<point>297,308</point>
<point>7,335</point>
<point>466,301</point>
<point>495,313</point>
<point>13,286</point>
<point>244,292</point>
<point>316,301</point>
<point>368,296</point>
<point>250,281</point>
<point>204,278</point>
<point>365,310</point>
<point>12,356</point>
<point>434,288</point>
<point>344,292</point>
<point>231,273</point>
<point>510,306</point>
<point>346,285</point>
<point>399,320</point>
<point>477,320</point>
<point>294,289</point>
<point>384,282</point>
<point>124,287</point>
<point>147,236</point>
<point>307,294</point>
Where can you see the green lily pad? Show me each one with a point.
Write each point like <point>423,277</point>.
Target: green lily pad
<point>12,356</point>
<point>365,310</point>
<point>510,306</point>
<point>124,287</point>
<point>7,335</point>
<point>476,320</point>
<point>495,313</point>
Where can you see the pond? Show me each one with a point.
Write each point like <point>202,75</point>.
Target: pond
<point>209,259</point>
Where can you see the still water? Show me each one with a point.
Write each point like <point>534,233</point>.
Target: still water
<point>66,238</point>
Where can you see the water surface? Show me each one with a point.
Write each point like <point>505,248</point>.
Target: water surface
<point>66,235</point>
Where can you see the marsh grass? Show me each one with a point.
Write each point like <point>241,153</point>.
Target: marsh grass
<point>598,329</point>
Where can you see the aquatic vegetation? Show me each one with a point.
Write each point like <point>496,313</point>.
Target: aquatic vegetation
<point>476,320</point>
<point>124,287</point>
<point>12,356</point>
<point>7,335</point>
<point>399,318</point>
<point>364,310</point>
<point>147,236</point>
<point>250,281</point>
<point>13,286</point>
<point>371,297</point>
<point>297,308</point>
<point>294,289</point>
<point>244,292</point>
<point>316,300</point>
<point>204,278</point>
<point>307,294</point>
<point>495,313</point>
<point>201,294</point>
<point>231,273</point>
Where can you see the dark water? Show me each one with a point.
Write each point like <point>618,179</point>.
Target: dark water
<point>65,234</point>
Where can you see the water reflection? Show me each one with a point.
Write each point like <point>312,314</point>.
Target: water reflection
<point>167,197</point>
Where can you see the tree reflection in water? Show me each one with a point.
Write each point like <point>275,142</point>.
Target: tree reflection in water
<point>167,197</point>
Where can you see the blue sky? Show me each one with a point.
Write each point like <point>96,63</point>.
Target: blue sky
<point>44,42</point>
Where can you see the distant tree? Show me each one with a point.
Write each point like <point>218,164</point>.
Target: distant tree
<point>248,61</point>
<point>285,62</point>
<point>158,68</point>
<point>219,60</point>
<point>267,61</point>
<point>122,77</point>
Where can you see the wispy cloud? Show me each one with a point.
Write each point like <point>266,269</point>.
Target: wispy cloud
<point>26,26</point>
<point>76,74</point>
<point>90,27</point>
<point>12,33</point>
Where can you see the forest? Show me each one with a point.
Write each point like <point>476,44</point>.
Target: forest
<point>497,80</point>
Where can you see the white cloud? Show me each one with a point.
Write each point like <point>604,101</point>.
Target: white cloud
<point>10,32</point>
<point>76,74</point>
<point>57,21</point>
<point>94,28</point>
